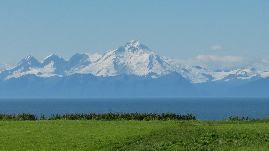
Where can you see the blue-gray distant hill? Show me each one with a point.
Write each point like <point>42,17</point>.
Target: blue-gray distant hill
<point>87,86</point>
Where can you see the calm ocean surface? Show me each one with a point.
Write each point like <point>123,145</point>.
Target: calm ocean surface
<point>203,108</point>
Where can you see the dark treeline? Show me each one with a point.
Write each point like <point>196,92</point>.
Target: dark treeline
<point>101,116</point>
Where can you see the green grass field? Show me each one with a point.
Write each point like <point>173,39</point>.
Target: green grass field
<point>132,135</point>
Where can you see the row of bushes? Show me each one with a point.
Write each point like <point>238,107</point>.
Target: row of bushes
<point>101,116</point>
<point>18,117</point>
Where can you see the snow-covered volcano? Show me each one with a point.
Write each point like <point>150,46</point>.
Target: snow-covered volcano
<point>131,59</point>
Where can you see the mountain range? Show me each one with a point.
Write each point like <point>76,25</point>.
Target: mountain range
<point>132,70</point>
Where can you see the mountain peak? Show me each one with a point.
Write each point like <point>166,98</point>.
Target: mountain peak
<point>29,60</point>
<point>53,58</point>
<point>79,58</point>
<point>135,45</point>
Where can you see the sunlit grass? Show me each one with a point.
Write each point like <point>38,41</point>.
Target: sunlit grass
<point>133,135</point>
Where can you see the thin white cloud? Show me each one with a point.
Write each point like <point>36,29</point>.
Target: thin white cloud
<point>217,61</point>
<point>216,48</point>
<point>215,58</point>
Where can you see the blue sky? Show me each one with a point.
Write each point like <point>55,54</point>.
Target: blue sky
<point>175,28</point>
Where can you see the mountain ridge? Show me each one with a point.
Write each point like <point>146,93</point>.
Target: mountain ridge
<point>132,70</point>
<point>133,58</point>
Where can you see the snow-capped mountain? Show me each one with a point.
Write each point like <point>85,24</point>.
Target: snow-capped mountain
<point>195,74</point>
<point>237,74</point>
<point>132,70</point>
<point>133,58</point>
<point>30,65</point>
<point>55,62</point>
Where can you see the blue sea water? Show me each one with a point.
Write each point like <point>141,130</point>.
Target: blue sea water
<point>202,108</point>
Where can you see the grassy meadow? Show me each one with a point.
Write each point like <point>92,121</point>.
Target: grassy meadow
<point>122,135</point>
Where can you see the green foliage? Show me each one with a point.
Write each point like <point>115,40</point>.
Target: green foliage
<point>121,135</point>
<point>123,116</point>
<point>18,117</point>
<point>203,136</point>
<point>239,118</point>
<point>102,116</point>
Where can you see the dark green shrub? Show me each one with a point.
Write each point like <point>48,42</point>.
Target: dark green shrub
<point>101,116</point>
<point>18,117</point>
<point>25,117</point>
<point>238,118</point>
